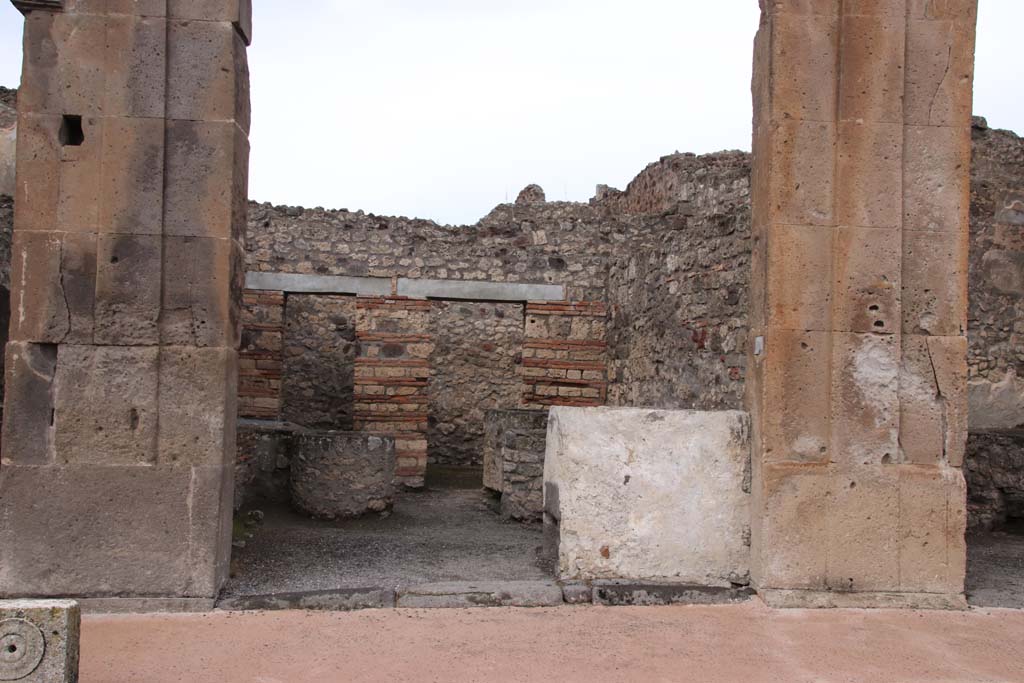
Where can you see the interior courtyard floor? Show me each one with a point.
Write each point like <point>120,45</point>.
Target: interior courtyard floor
<point>995,568</point>
<point>448,532</point>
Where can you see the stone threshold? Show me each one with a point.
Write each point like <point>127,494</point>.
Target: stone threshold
<point>469,594</point>
<point>817,599</point>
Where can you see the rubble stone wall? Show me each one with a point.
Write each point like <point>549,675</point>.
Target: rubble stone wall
<point>557,243</point>
<point>679,298</point>
<point>996,297</point>
<point>477,349</point>
<point>319,355</point>
<point>514,449</point>
<point>995,478</point>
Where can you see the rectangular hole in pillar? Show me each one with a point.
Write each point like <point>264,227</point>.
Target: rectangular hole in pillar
<point>71,132</point>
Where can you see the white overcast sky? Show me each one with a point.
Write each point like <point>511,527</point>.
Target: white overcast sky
<point>444,108</point>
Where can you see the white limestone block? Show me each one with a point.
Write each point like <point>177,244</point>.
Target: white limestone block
<point>649,494</point>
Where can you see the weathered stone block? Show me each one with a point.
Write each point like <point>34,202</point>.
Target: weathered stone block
<point>128,273</point>
<point>867,280</point>
<point>106,405</point>
<point>799,272</point>
<point>198,405</point>
<point>932,551</point>
<point>119,531</point>
<point>203,280</point>
<point>648,494</point>
<point>342,474</point>
<point>239,12</point>
<point>58,185</point>
<point>870,169</point>
<point>933,401</point>
<point>792,534</point>
<point>871,62</point>
<point>863,529</point>
<point>801,7</point>
<point>135,71</point>
<point>805,90</point>
<point>53,276</point>
<point>103,61</point>
<point>132,183</point>
<point>796,418</point>
<point>39,641</point>
<point>208,75</point>
<point>865,401</point>
<point>803,162</point>
<point>936,183</point>
<point>939,72</point>
<point>206,179</point>
<point>943,9</point>
<point>29,371</point>
<point>38,168</point>
<point>39,309</point>
<point>144,8</point>
<point>78,283</point>
<point>934,283</point>
<point>875,8</point>
<point>64,66</point>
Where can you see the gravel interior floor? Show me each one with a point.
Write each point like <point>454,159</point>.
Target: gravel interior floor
<point>449,532</point>
<point>995,568</point>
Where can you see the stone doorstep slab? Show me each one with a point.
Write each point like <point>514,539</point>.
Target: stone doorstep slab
<point>455,594</point>
<point>340,600</point>
<point>813,599</point>
<point>145,605</point>
<point>482,594</point>
<point>526,594</point>
<point>621,593</point>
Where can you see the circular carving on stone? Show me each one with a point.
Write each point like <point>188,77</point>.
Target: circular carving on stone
<point>21,649</point>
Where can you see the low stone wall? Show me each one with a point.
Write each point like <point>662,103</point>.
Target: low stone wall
<point>514,445</point>
<point>342,474</point>
<point>648,495</point>
<point>994,469</point>
<point>263,462</point>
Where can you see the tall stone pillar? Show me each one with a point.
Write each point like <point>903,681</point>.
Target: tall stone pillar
<point>861,161</point>
<point>118,442</point>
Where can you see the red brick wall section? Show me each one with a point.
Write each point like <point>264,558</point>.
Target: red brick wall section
<point>392,370</point>
<point>565,354</point>
<point>260,359</point>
